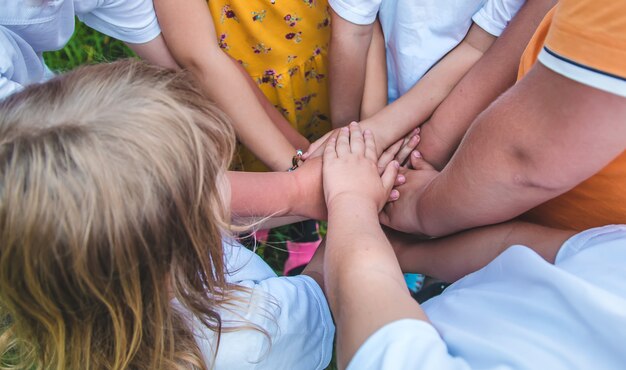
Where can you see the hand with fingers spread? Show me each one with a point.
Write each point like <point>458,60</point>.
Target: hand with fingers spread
<point>402,214</point>
<point>400,151</point>
<point>350,171</point>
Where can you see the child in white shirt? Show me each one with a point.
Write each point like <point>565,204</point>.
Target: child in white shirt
<point>29,28</point>
<point>115,220</point>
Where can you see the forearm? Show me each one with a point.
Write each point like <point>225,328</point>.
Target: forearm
<point>450,258</point>
<point>254,128</point>
<point>375,88</point>
<point>315,267</point>
<point>495,72</point>
<point>190,35</point>
<point>277,194</point>
<point>362,276</point>
<point>155,52</point>
<point>349,45</point>
<point>417,105</point>
<point>523,150</point>
<point>262,194</point>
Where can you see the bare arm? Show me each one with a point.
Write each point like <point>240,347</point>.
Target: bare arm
<point>349,45</point>
<point>189,32</point>
<point>276,194</point>
<point>392,122</point>
<point>155,51</point>
<point>495,72</point>
<point>375,88</point>
<point>364,284</point>
<point>413,108</point>
<point>452,257</point>
<point>544,136</point>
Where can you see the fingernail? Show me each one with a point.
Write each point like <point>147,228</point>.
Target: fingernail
<point>413,140</point>
<point>401,178</point>
<point>417,154</point>
<point>368,132</point>
<point>353,123</point>
<point>417,130</point>
<point>394,194</point>
<point>396,164</point>
<point>344,129</point>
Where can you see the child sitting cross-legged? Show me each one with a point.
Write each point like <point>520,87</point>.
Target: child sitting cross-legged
<point>115,254</point>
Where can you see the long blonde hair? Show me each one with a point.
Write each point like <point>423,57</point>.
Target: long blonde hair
<point>111,205</point>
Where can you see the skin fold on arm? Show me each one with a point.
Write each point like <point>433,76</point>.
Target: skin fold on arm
<point>538,140</point>
<point>495,72</point>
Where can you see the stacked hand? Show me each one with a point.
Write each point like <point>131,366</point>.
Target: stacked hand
<point>402,214</point>
<point>350,169</point>
<point>399,150</point>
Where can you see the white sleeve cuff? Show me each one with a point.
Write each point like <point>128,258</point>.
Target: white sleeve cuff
<point>495,15</point>
<point>362,14</point>
<point>581,73</point>
<point>132,21</point>
<point>406,344</point>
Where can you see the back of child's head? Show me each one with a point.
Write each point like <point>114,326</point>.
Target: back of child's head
<point>111,205</point>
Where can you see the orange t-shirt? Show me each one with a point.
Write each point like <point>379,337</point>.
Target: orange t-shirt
<point>585,40</point>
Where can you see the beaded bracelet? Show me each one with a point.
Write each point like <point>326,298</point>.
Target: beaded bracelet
<point>295,160</point>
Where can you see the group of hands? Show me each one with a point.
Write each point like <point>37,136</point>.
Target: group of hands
<point>391,182</point>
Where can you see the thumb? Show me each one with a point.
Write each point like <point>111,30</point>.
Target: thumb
<point>314,148</point>
<point>418,162</point>
<point>388,178</point>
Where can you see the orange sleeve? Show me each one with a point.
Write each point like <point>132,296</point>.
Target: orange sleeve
<point>591,33</point>
<point>584,40</point>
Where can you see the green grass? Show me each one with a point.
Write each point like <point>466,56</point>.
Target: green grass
<point>87,46</point>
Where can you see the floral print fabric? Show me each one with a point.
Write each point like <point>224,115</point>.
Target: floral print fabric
<point>282,44</point>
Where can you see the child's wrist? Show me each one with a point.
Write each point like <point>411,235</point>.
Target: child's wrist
<point>352,201</point>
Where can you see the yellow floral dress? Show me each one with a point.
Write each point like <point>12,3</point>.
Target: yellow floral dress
<point>283,45</point>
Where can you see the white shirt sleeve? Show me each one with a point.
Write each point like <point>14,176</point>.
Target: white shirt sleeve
<point>495,15</point>
<point>405,344</point>
<point>132,21</point>
<point>291,310</point>
<point>19,64</point>
<point>355,11</point>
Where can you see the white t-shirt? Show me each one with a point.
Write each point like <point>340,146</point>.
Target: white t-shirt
<point>520,312</point>
<point>292,310</point>
<point>30,27</point>
<point>418,33</point>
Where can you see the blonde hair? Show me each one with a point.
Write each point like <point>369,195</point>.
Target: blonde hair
<point>111,205</point>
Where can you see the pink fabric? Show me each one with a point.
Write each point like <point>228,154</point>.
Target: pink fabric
<point>300,254</point>
<point>261,235</point>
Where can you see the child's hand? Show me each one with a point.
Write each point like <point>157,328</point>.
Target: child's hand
<point>350,169</point>
<point>400,151</point>
<point>402,215</point>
